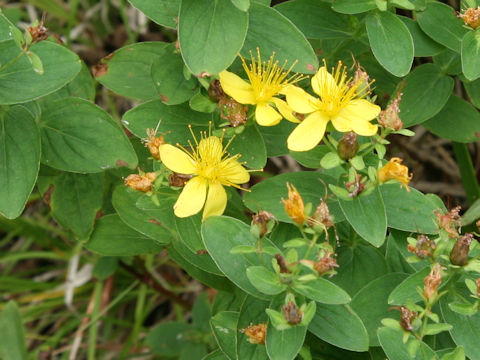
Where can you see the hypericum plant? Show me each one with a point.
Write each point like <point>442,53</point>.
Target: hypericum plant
<point>307,264</point>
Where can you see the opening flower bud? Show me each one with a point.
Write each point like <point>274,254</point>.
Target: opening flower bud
<point>294,205</point>
<point>348,146</point>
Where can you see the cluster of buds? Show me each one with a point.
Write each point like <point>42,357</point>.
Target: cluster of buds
<point>450,222</point>
<point>394,170</point>
<point>432,281</point>
<point>256,334</point>
<point>262,223</point>
<point>152,142</point>
<point>471,17</point>
<point>459,253</point>
<point>141,182</point>
<point>294,206</point>
<point>389,117</point>
<point>423,248</point>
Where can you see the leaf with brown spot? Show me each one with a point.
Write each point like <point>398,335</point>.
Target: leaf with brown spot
<point>99,70</point>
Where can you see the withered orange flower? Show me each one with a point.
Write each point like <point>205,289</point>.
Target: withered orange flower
<point>256,333</point>
<point>294,206</point>
<point>140,182</point>
<point>394,170</point>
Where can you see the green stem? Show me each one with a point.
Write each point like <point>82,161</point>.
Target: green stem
<point>13,61</point>
<point>92,333</point>
<point>467,171</point>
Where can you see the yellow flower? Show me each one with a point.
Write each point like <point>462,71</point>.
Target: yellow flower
<point>212,169</point>
<point>338,102</point>
<point>267,79</point>
<point>395,170</point>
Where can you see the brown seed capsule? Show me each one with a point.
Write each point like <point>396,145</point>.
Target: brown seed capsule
<point>256,333</point>
<point>152,142</point>
<point>348,146</point>
<point>261,220</point>
<point>178,180</point>
<point>215,91</point>
<point>321,216</point>
<point>140,182</point>
<point>432,281</point>
<point>233,111</point>
<point>326,263</point>
<point>282,264</point>
<point>294,205</point>
<point>459,253</point>
<point>292,313</point>
<point>471,17</point>
<point>450,222</point>
<point>424,248</point>
<point>389,117</point>
<point>407,317</point>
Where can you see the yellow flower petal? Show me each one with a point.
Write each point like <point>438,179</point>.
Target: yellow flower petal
<point>300,101</point>
<point>232,171</point>
<point>309,133</point>
<point>322,81</point>
<point>216,200</point>
<point>267,115</point>
<point>176,159</point>
<point>363,109</point>
<point>285,110</point>
<point>364,128</point>
<point>356,113</point>
<point>211,148</point>
<point>237,88</point>
<point>191,198</point>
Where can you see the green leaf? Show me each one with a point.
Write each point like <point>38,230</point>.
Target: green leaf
<point>224,328</point>
<point>391,42</point>
<point>169,339</point>
<point>424,46</point>
<point>220,235</point>
<point>425,93</point>
<point>253,312</point>
<point>124,201</point>
<point>162,12</point>
<point>316,19</point>
<point>250,145</point>
<point>284,344</point>
<point>409,210</point>
<point>20,159</point>
<point>127,71</point>
<point>440,23</point>
<point>370,303</point>
<point>264,280</point>
<point>12,341</point>
<point>79,136</point>
<point>267,194</point>
<point>323,291</point>
<point>75,200</point>
<point>391,342</point>
<point>434,329</point>
<point>272,32</point>
<point>241,4</point>
<point>397,253</point>
<point>211,33</point>
<point>407,289</point>
<point>458,121</point>
<point>112,237</point>
<point>209,279</point>
<point>201,313</point>
<point>20,83</point>
<point>367,216</point>
<point>216,355</point>
<point>167,74</point>
<point>353,7</point>
<point>470,55</point>
<point>472,214</point>
<point>170,121</point>
<point>339,325</point>
<point>275,137</point>
<point>6,27</point>
<point>160,211</point>
<point>359,264</point>
<point>466,329</point>
<point>311,158</point>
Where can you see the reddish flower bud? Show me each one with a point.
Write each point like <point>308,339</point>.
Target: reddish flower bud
<point>459,253</point>
<point>348,146</point>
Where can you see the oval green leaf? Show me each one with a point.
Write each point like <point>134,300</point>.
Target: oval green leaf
<point>323,291</point>
<point>20,159</point>
<point>252,311</point>
<point>339,325</point>
<point>392,344</point>
<point>162,12</point>
<point>458,121</point>
<point>224,328</point>
<point>20,83</point>
<point>353,7</point>
<point>265,280</point>
<point>367,216</point>
<point>272,32</point>
<point>78,136</point>
<point>407,289</point>
<point>112,237</point>
<point>250,145</point>
<point>284,344</point>
<point>391,42</point>
<point>425,93</point>
<point>423,45</point>
<point>471,55</point>
<point>202,33</point>
<point>127,71</point>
